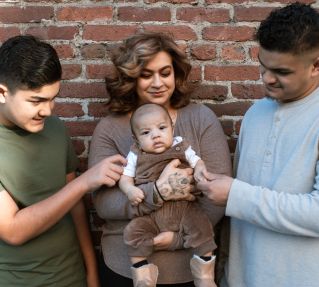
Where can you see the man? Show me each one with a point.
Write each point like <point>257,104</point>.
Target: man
<point>274,200</point>
<point>39,245</point>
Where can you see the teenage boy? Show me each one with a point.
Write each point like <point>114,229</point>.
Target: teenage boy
<point>274,200</point>
<point>44,234</point>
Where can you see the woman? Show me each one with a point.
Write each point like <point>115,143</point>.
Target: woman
<point>150,68</point>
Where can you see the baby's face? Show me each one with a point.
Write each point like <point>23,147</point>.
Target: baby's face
<point>154,132</point>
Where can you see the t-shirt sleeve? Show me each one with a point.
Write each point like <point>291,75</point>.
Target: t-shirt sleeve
<point>191,157</point>
<point>130,168</point>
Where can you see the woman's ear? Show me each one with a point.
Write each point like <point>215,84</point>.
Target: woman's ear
<point>3,93</point>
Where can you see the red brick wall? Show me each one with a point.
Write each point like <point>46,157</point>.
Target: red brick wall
<point>217,35</point>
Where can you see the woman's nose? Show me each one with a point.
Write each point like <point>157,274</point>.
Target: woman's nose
<point>157,81</point>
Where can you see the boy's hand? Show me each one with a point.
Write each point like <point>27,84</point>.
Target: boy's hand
<point>106,172</point>
<point>135,195</point>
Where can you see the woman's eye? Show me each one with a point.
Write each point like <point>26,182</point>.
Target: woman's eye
<point>145,76</point>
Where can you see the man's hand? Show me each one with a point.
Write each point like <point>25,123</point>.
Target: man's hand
<point>216,188</point>
<point>175,183</point>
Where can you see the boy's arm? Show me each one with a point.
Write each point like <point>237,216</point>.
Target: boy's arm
<point>134,194</point>
<point>17,226</point>
<point>79,217</point>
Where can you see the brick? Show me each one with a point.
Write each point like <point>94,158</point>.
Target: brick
<point>68,110</point>
<point>79,146</point>
<point>204,52</point>
<point>247,91</point>
<point>232,142</point>
<point>71,71</point>
<point>8,32</point>
<point>28,14</point>
<point>233,53</point>
<point>64,51</point>
<point>293,1</point>
<point>228,33</point>
<point>82,90</point>
<point>195,74</point>
<point>193,2</point>
<point>237,127</point>
<point>83,164</point>
<point>214,92</point>
<point>179,32</point>
<point>80,128</point>
<point>98,109</point>
<point>212,15</point>
<point>228,127</point>
<point>253,53</point>
<point>93,51</point>
<point>98,71</point>
<point>54,32</point>
<point>250,14</point>
<point>225,1</point>
<point>108,32</point>
<point>231,73</point>
<point>142,14</point>
<point>230,109</point>
<point>84,13</point>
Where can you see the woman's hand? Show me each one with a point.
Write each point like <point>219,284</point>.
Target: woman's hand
<point>175,183</point>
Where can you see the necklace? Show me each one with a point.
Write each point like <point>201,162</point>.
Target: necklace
<point>173,115</point>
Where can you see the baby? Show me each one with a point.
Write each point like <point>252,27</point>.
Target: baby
<point>155,146</point>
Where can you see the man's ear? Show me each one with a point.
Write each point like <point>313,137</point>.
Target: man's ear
<point>3,93</point>
<point>315,72</point>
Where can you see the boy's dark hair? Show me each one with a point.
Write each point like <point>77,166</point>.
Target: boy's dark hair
<point>291,29</point>
<point>28,63</point>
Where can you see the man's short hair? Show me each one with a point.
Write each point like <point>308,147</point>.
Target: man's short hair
<point>291,29</point>
<point>28,63</point>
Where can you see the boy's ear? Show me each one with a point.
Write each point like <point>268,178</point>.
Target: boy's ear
<point>3,93</point>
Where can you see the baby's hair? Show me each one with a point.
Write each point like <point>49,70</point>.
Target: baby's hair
<point>144,109</point>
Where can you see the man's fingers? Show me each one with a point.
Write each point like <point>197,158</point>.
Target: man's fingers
<point>212,176</point>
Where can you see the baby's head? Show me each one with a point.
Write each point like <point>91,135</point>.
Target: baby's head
<point>152,128</point>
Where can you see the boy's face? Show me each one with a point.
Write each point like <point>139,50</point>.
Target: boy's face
<point>288,77</point>
<point>154,132</point>
<point>27,109</point>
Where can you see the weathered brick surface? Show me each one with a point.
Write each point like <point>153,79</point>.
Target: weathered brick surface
<point>217,35</point>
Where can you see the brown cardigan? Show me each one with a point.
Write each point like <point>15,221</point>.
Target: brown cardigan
<point>112,135</point>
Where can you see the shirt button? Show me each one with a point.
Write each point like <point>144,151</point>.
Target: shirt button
<point>178,148</point>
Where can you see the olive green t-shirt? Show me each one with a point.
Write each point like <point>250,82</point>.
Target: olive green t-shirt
<point>33,166</point>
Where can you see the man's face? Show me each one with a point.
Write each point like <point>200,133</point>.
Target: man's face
<point>27,109</point>
<point>288,77</point>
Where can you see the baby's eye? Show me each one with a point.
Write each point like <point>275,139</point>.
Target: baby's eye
<point>145,133</point>
<point>162,127</point>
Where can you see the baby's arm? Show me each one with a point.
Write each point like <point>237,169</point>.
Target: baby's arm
<point>134,194</point>
<point>200,171</point>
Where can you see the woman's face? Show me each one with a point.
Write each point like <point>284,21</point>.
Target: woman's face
<point>156,83</point>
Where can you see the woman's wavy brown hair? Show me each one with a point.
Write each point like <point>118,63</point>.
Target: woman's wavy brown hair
<point>129,60</point>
